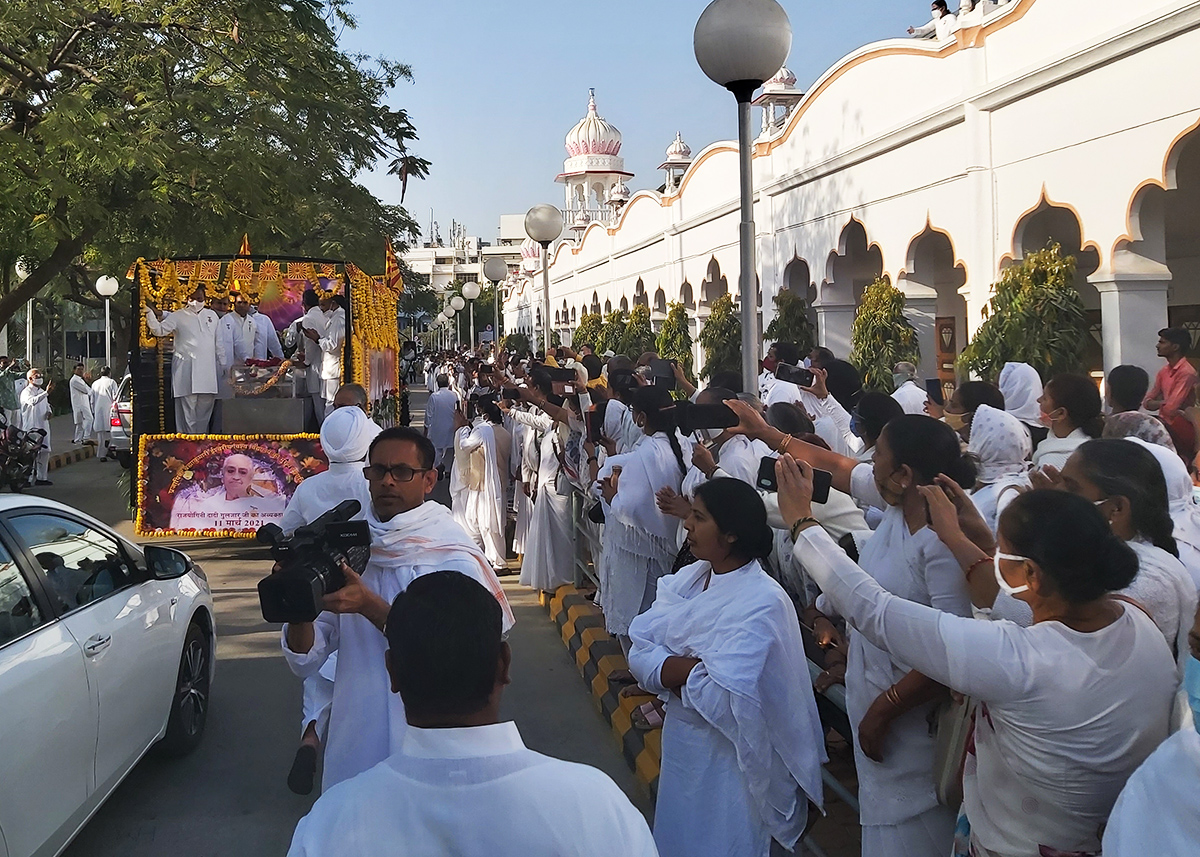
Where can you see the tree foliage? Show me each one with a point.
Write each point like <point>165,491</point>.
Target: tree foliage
<point>791,322</point>
<point>588,332</point>
<point>611,332</point>
<point>517,343</point>
<point>1035,316</point>
<point>675,339</point>
<point>638,337</point>
<point>721,338</point>
<point>170,127</point>
<point>881,336</point>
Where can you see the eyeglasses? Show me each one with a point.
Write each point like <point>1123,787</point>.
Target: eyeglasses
<point>399,472</point>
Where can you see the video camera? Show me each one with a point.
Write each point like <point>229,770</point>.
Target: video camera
<point>311,560</point>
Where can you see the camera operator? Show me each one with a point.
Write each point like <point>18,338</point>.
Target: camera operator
<point>345,436</point>
<point>409,538</point>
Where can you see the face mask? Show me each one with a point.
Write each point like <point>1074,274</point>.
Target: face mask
<point>955,421</point>
<point>937,13</point>
<point>1191,686</point>
<point>899,379</point>
<point>1005,587</point>
<point>37,382</point>
<point>1046,419</point>
<point>807,362</point>
<point>196,305</point>
<point>769,364</point>
<point>253,309</point>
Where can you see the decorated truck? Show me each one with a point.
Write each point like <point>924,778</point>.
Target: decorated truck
<point>264,439</point>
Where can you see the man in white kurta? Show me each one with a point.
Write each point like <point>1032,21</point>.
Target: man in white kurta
<point>345,437</point>
<point>81,405</point>
<point>460,782</point>
<point>331,341</point>
<point>478,490</point>
<point>911,397</point>
<point>35,414</point>
<point>104,394</point>
<point>409,538</point>
<point>198,353</point>
<point>266,338</point>
<point>314,320</point>
<point>439,419</point>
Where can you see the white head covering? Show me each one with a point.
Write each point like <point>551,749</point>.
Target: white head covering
<point>1021,385</point>
<point>1184,511</point>
<point>1000,442</point>
<point>346,435</point>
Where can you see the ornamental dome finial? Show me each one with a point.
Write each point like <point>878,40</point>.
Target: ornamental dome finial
<point>592,135</point>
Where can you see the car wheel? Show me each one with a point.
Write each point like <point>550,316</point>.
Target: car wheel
<point>124,458</point>
<point>189,704</point>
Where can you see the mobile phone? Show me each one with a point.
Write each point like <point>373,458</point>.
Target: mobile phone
<point>595,424</point>
<point>767,481</point>
<point>794,375</point>
<point>511,394</point>
<point>662,373</point>
<point>691,416</point>
<point>933,387</point>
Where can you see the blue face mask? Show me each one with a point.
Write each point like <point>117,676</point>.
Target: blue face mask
<point>854,425</point>
<point>1191,686</point>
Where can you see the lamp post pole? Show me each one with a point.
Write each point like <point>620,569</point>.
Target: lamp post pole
<point>739,44</point>
<point>23,271</point>
<point>107,287</point>
<point>495,269</point>
<point>544,223</point>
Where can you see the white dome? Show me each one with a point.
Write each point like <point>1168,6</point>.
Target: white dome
<point>619,192</point>
<point>783,79</point>
<point>582,219</point>
<point>679,150</point>
<point>593,136</point>
<point>530,249</point>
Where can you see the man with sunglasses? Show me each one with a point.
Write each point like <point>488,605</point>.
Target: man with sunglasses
<point>409,538</point>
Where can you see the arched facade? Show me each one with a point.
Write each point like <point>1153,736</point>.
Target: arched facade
<point>937,163</point>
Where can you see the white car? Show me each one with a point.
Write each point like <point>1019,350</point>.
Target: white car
<point>106,649</point>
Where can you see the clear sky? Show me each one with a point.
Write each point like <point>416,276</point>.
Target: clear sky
<point>497,85</point>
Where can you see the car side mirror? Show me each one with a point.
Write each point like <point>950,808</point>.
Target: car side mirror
<point>166,563</point>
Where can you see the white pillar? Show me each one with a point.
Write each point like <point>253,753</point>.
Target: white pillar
<point>1133,307</point>
<point>833,326</point>
<point>920,308</point>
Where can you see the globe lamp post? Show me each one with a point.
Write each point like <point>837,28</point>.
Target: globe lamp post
<point>470,291</point>
<point>495,269</point>
<point>544,223</point>
<point>23,269</point>
<point>740,44</point>
<point>106,287</point>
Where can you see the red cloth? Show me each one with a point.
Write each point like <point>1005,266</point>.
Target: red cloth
<point>1174,385</point>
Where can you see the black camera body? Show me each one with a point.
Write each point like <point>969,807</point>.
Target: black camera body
<point>311,562</point>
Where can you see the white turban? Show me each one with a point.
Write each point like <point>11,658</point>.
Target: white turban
<point>346,435</point>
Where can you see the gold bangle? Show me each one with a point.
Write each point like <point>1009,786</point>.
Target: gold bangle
<point>893,697</point>
<point>783,444</point>
<point>801,522</point>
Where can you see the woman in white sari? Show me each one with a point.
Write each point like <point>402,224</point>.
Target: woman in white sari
<point>742,745</point>
<point>640,541</point>
<point>1069,707</point>
<point>1001,445</point>
<point>1071,408</point>
<point>893,749</point>
<point>1021,386</point>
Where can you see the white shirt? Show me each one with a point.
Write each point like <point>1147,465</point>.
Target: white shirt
<point>198,349</point>
<point>837,433</point>
<point>473,792</point>
<point>332,341</point>
<point>1068,715</point>
<point>81,395</point>
<point>317,494</point>
<point>911,397</point>
<point>316,321</point>
<point>1157,812</point>
<point>35,410</point>
<point>266,338</point>
<point>104,393</point>
<point>439,417</point>
<point>1055,451</point>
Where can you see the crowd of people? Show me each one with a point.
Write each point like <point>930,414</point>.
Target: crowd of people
<point>1022,558</point>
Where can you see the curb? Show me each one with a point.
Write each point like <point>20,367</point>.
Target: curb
<point>597,655</point>
<point>62,459</point>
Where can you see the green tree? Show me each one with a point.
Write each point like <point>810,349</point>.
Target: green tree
<point>791,322</point>
<point>881,336</point>
<point>675,339</point>
<point>1035,316</point>
<point>721,338</point>
<point>518,343</point>
<point>638,337</point>
<point>588,332</point>
<point>169,127</point>
<point>611,332</point>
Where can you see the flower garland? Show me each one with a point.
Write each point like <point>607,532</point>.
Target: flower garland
<point>280,372</point>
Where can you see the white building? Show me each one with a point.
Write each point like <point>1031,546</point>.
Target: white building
<point>937,163</point>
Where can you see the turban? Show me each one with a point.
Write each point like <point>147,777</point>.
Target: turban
<point>346,435</point>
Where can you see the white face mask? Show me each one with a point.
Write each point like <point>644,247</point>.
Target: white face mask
<point>38,381</point>
<point>196,305</point>
<point>1005,586</point>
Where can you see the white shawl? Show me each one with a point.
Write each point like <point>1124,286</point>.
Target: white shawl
<point>1000,443</point>
<point>751,685</point>
<point>1184,511</point>
<point>1165,590</point>
<point>645,471</point>
<point>1021,386</point>
<point>1156,811</point>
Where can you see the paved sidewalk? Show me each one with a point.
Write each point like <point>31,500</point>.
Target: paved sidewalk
<point>62,450</point>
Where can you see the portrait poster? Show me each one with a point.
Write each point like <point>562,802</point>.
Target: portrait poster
<point>220,485</point>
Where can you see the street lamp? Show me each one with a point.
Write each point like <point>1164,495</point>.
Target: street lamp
<point>544,223</point>
<point>107,287</point>
<point>23,270</point>
<point>470,291</point>
<point>739,44</point>
<point>496,269</point>
<point>456,305</point>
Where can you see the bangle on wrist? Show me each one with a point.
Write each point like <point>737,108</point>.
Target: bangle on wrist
<point>971,568</point>
<point>892,696</point>
<point>800,522</point>
<point>783,444</point>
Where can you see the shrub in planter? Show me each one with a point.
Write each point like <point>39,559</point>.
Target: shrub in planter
<point>791,322</point>
<point>588,332</point>
<point>611,332</point>
<point>721,338</point>
<point>881,336</point>
<point>675,339</point>
<point>638,337</point>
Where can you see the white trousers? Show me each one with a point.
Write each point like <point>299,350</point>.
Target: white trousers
<point>329,388</point>
<point>41,470</point>
<point>83,425</point>
<point>318,699</point>
<point>102,438</point>
<point>193,412</point>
